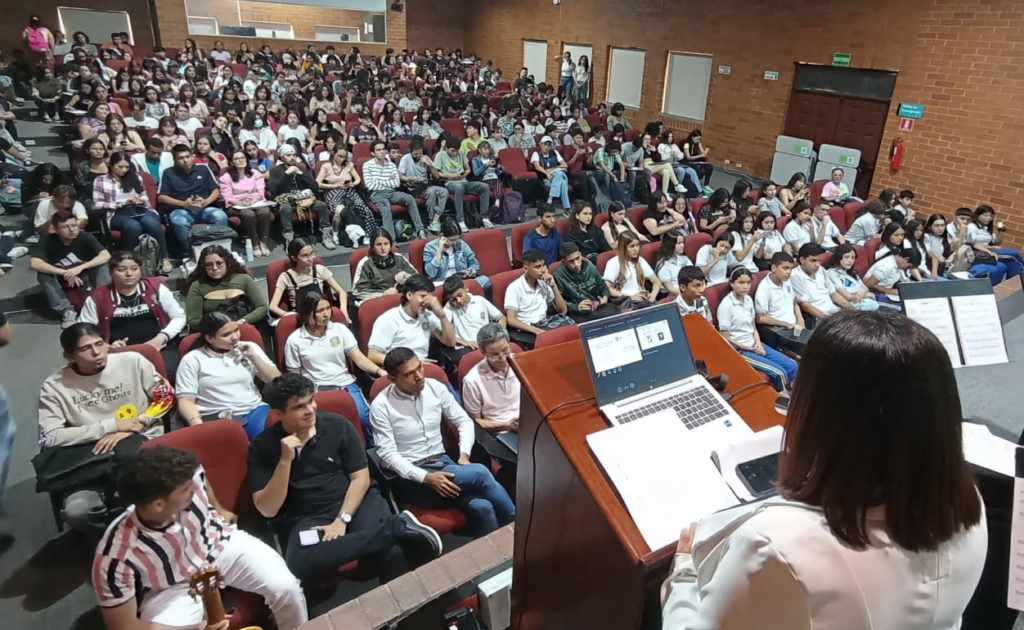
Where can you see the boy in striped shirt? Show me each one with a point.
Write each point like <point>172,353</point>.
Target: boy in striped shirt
<point>173,528</point>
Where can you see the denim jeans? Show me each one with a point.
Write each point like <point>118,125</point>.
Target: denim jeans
<point>482,499</point>
<point>779,368</point>
<point>182,220</point>
<point>559,184</point>
<point>383,200</point>
<point>567,83</point>
<point>689,178</point>
<point>133,222</point>
<point>6,443</point>
<point>54,290</point>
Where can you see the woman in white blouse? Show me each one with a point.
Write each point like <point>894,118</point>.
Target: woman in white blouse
<point>771,243</point>
<point>890,534</point>
<point>627,274</point>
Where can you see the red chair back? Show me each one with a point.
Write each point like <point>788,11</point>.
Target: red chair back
<point>600,219</point>
<point>416,252</point>
<point>850,212</point>
<point>634,215</point>
<point>288,324</point>
<point>499,285</point>
<point>649,252</point>
<point>780,223</point>
<point>362,150</point>
<point>147,351</point>
<point>696,205</point>
<point>756,281</point>
<point>249,333</point>
<point>491,250</point>
<point>470,360</point>
<point>515,163</point>
<point>816,188</point>
<point>150,184</point>
<point>340,402</point>
<point>838,214</point>
<point>454,126</point>
<point>222,448</point>
<point>519,233</point>
<point>557,336</point>
<point>863,262</point>
<point>693,243</point>
<point>714,295</point>
<point>603,258</point>
<point>369,311</point>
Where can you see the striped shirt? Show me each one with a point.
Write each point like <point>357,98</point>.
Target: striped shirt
<point>380,176</point>
<point>132,559</point>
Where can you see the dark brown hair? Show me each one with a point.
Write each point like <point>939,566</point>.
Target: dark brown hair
<point>899,448</point>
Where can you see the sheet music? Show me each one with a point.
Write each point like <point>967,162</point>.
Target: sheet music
<point>665,477</point>
<point>980,329</point>
<point>981,448</point>
<point>934,314</point>
<point>1015,587</point>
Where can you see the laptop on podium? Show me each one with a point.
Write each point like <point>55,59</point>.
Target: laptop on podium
<point>641,365</point>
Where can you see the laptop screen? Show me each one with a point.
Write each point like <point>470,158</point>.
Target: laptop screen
<point>636,352</point>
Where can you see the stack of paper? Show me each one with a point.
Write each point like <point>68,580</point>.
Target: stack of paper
<point>664,475</point>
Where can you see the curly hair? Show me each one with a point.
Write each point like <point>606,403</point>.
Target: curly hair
<point>154,473</point>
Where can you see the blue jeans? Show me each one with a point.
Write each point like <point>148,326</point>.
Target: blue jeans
<point>133,222</point>
<point>559,184</point>
<point>482,499</point>
<point>361,406</point>
<point>779,368</point>
<point>689,178</point>
<point>53,288</point>
<point>483,281</point>
<point>567,83</point>
<point>182,220</point>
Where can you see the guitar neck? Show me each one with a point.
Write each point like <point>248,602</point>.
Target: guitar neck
<point>214,606</point>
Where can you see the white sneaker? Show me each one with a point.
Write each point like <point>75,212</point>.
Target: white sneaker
<point>487,223</point>
<point>32,240</point>
<point>47,119</point>
<point>68,318</point>
<point>435,226</point>
<point>17,252</point>
<point>680,189</point>
<point>463,226</point>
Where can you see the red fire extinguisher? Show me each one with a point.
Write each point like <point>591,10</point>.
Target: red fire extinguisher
<point>896,154</point>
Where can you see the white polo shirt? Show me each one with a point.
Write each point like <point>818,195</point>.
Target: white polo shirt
<point>741,241</point>
<point>470,319</point>
<point>321,359</point>
<point>632,285</point>
<point>774,243</point>
<point>669,270</point>
<point>831,232</point>
<point>776,300</point>
<point>817,290</point>
<point>887,272</point>
<point>220,381</point>
<point>977,235</point>
<point>737,318</point>
<point>719,272</point>
<point>530,305</point>
<point>863,229</point>
<point>395,329</point>
<point>797,234</point>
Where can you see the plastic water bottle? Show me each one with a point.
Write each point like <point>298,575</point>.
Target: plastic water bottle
<point>248,250</point>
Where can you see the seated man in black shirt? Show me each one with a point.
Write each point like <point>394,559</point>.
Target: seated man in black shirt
<point>309,473</point>
<point>72,261</point>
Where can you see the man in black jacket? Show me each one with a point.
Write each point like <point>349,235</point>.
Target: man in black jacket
<point>290,177</point>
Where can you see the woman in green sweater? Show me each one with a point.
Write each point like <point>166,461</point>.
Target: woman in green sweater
<point>220,283</point>
<point>381,271</point>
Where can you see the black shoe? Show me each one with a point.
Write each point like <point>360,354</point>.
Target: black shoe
<point>417,533</point>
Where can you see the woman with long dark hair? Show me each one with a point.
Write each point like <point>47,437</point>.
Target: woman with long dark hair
<point>582,231</point>
<point>842,271</point>
<point>216,379</point>
<point>122,195</point>
<point>220,283</point>
<point>244,192</point>
<point>304,276</point>
<point>340,181</point>
<point>985,236</point>
<point>909,536</point>
<point>116,136</point>
<point>695,155</point>
<point>670,259</point>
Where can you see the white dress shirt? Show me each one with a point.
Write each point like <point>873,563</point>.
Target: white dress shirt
<point>775,565</point>
<point>407,429</point>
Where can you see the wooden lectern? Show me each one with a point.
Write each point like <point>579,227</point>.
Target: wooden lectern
<point>580,562</point>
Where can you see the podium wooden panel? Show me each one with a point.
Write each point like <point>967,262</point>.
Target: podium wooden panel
<point>580,561</point>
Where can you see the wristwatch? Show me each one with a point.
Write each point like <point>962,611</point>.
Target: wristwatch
<point>345,518</point>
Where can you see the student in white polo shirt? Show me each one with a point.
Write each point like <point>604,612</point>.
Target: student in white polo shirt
<point>411,324</point>
<point>468,314</point>
<point>691,298</point>
<point>528,298</point>
<point>714,259</point>
<point>319,349</point>
<point>824,228</point>
<point>887,272</point>
<point>736,323</point>
<point>813,288</point>
<point>779,318</point>
<point>800,229</point>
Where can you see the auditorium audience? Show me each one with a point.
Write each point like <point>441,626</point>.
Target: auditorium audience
<point>188,194</point>
<point>381,271</point>
<point>143,573</point>
<point>691,283</point>
<point>985,236</point>
<point>794,192</point>
<point>72,264</point>
<point>412,324</point>
<point>407,419</point>
<point>746,241</point>
<point>628,275</point>
<point>76,408</point>
<point>616,224</point>
<point>295,190</point>
<point>304,276</point>
<point>220,283</point>
<point>868,223</point>
<point>450,255</point>
<point>310,472</point>
<point>383,181</point>
<point>770,202</point>
<point>889,271</point>
<point>63,198</point>
<point>582,232</point>
<point>660,217</point>
<point>943,248</point>
<point>671,257</point>
<point>931,550</point>
<point>216,377</point>
<point>779,317</point>
<point>580,283</point>
<point>529,298</point>
<point>134,310</point>
<point>244,192</point>
<point>715,259</point>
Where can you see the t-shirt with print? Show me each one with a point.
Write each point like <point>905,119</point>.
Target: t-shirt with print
<point>292,281</point>
<point>84,248</point>
<point>364,135</point>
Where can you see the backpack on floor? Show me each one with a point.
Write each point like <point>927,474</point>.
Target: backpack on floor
<point>148,251</point>
<point>10,192</point>
<point>620,193</point>
<point>512,208</point>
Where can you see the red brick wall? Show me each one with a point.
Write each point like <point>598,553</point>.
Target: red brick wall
<point>174,26</point>
<point>958,59</point>
<point>16,15</point>
<point>433,23</point>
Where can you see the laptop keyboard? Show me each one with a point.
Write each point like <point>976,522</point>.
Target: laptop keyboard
<point>695,407</point>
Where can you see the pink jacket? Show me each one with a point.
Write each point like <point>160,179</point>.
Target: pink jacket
<point>233,191</point>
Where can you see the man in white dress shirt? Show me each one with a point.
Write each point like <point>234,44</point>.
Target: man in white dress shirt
<point>406,418</point>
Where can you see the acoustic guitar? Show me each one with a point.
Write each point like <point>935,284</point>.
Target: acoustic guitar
<point>205,585</point>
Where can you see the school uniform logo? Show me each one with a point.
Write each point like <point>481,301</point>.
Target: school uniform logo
<point>335,342</point>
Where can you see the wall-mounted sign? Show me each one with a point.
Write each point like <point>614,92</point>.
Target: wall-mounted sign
<point>911,110</point>
<point>906,124</point>
<point>771,75</point>
<point>724,69</point>
<point>841,59</point>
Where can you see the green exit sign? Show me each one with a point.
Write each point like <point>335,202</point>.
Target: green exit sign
<point>841,59</point>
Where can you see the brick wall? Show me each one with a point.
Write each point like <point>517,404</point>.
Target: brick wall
<point>174,26</point>
<point>955,57</point>
<point>433,23</point>
<point>16,15</point>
